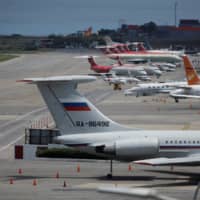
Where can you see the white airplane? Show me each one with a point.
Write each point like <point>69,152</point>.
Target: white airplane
<point>125,54</point>
<point>127,71</point>
<point>136,72</point>
<point>84,127</point>
<point>192,89</point>
<point>168,67</point>
<point>140,46</point>
<point>115,50</point>
<point>149,68</point>
<point>149,89</point>
<point>152,70</point>
<point>155,65</point>
<point>117,81</point>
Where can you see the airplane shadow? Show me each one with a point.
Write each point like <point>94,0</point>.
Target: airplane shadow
<point>170,184</point>
<point>24,177</point>
<point>190,179</point>
<point>101,178</point>
<point>186,179</point>
<point>190,175</point>
<point>127,178</point>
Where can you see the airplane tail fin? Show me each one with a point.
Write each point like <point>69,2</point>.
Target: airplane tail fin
<point>108,40</point>
<point>72,112</point>
<point>119,61</point>
<point>141,47</point>
<point>92,62</point>
<point>191,74</point>
<point>126,47</point>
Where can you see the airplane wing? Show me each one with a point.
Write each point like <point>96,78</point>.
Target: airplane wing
<point>188,161</point>
<point>185,87</point>
<point>184,96</point>
<point>144,193</point>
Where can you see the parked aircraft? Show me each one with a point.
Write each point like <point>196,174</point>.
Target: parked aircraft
<point>84,127</point>
<point>140,47</point>
<point>118,70</point>
<point>138,73</point>
<point>159,67</point>
<point>149,89</point>
<point>117,81</point>
<point>192,89</point>
<point>98,68</point>
<point>140,63</point>
<point>122,51</point>
<point>153,57</point>
<point>167,67</point>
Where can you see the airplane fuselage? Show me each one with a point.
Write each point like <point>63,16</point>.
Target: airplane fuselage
<point>144,55</point>
<point>152,88</point>
<point>154,143</point>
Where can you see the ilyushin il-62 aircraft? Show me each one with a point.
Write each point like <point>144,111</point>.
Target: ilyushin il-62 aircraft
<point>84,127</point>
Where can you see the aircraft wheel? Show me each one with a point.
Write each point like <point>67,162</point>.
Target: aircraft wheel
<point>176,100</point>
<point>109,176</point>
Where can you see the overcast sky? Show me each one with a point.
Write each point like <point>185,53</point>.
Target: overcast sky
<point>66,16</point>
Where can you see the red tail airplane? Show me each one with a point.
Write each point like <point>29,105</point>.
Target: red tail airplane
<point>98,68</point>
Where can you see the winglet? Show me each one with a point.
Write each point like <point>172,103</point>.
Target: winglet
<point>191,74</point>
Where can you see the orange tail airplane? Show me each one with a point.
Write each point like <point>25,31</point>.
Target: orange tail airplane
<point>191,74</point>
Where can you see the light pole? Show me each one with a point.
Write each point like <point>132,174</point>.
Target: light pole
<point>175,8</point>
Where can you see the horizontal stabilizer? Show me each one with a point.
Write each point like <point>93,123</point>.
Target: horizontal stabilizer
<point>190,160</point>
<point>72,78</point>
<point>184,96</point>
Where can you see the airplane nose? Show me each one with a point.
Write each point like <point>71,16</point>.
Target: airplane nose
<point>143,73</point>
<point>158,72</point>
<point>130,92</point>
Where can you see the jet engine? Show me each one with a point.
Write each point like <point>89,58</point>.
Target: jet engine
<point>137,148</point>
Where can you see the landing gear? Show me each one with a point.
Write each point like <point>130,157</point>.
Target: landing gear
<point>109,176</point>
<point>117,86</point>
<point>176,100</point>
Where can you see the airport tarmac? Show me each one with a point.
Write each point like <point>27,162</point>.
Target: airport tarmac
<point>180,183</point>
<point>21,105</point>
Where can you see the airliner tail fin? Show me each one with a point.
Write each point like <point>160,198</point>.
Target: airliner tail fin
<point>72,112</point>
<point>141,47</point>
<point>92,61</point>
<point>191,74</point>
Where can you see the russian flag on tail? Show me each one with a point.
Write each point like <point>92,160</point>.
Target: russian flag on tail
<point>76,106</point>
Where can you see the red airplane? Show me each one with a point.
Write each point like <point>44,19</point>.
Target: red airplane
<point>98,68</point>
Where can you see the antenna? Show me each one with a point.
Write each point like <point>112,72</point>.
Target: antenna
<point>175,8</point>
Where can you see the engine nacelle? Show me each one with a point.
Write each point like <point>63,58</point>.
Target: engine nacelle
<point>137,148</point>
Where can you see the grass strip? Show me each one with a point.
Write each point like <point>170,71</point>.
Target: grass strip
<point>4,57</point>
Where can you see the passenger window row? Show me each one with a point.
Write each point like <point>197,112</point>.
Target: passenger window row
<point>181,142</point>
<point>158,87</point>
